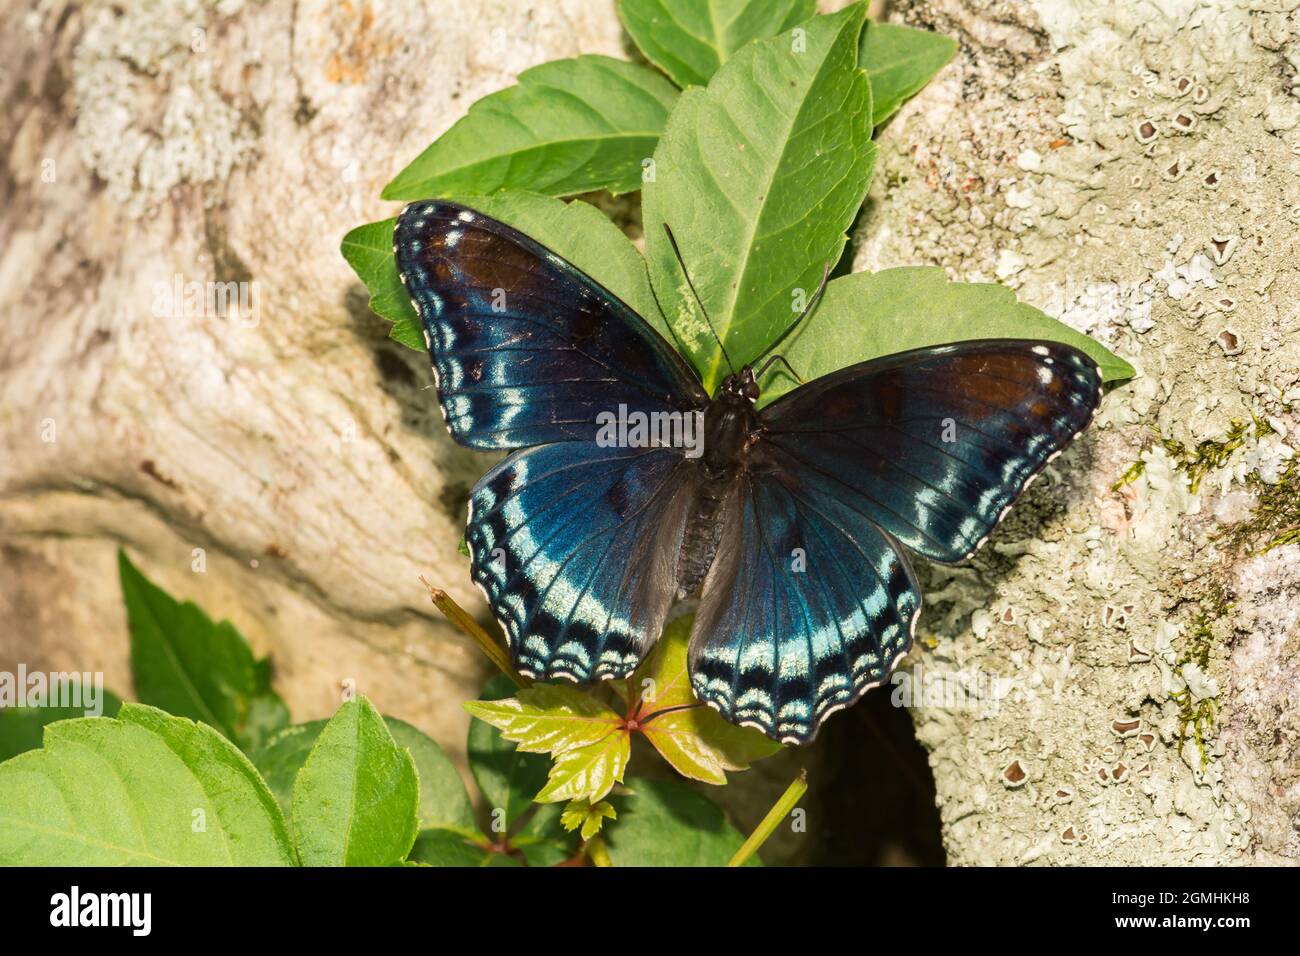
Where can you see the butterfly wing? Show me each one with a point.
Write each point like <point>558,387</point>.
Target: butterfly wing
<point>807,605</point>
<point>527,349</point>
<point>573,544</point>
<point>934,445</point>
<point>575,547</point>
<point>810,601</point>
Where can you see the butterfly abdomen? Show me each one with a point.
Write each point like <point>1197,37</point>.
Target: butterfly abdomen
<point>700,542</point>
<point>729,423</point>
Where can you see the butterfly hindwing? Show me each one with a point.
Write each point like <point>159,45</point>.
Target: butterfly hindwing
<point>808,605</point>
<point>527,349</point>
<point>933,445</point>
<point>575,547</point>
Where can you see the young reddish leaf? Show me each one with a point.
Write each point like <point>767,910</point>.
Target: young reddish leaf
<point>694,739</point>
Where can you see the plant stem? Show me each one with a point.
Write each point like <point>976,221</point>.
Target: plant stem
<point>780,810</point>
<point>461,618</point>
<point>598,853</point>
<point>667,710</point>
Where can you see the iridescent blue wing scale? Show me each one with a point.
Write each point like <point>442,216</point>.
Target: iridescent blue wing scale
<point>573,544</point>
<point>575,547</point>
<point>934,445</point>
<point>527,348</point>
<point>806,607</point>
<point>810,601</point>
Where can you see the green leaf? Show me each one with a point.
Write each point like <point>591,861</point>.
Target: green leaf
<point>280,758</point>
<point>588,771</point>
<point>690,39</point>
<point>588,744</point>
<point>866,315</point>
<point>568,127</point>
<point>695,740</point>
<point>576,231</point>
<point>368,250</point>
<point>900,61</point>
<point>144,789</point>
<point>661,823</point>
<point>185,664</point>
<point>450,848</point>
<point>444,803</point>
<point>760,177</point>
<point>507,776</point>
<point>21,728</point>
<point>543,840</point>
<point>587,817</point>
<point>356,799</point>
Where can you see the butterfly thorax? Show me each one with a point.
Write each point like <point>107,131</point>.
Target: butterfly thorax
<point>730,425</point>
<point>730,422</point>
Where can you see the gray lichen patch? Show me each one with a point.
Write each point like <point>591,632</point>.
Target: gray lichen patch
<point>1131,176</point>
<point>152,113</point>
<point>1263,675</point>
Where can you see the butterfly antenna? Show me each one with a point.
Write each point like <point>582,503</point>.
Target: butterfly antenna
<point>681,346</point>
<point>682,262</point>
<point>807,310</point>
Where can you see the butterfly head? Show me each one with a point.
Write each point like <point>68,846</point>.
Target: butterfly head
<point>740,386</point>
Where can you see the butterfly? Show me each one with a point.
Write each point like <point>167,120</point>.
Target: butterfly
<point>791,522</point>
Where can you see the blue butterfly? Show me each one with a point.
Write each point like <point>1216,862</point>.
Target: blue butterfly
<point>791,522</point>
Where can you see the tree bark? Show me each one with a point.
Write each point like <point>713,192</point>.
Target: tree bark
<point>156,142</point>
<point>293,454</point>
<point>1031,161</point>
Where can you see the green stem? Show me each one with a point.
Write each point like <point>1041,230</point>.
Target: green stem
<point>461,618</point>
<point>780,810</point>
<point>667,710</point>
<point>598,853</point>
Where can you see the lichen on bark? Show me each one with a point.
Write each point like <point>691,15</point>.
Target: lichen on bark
<point>1134,175</point>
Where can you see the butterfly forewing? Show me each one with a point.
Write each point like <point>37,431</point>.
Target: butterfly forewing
<point>933,445</point>
<point>527,349</point>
